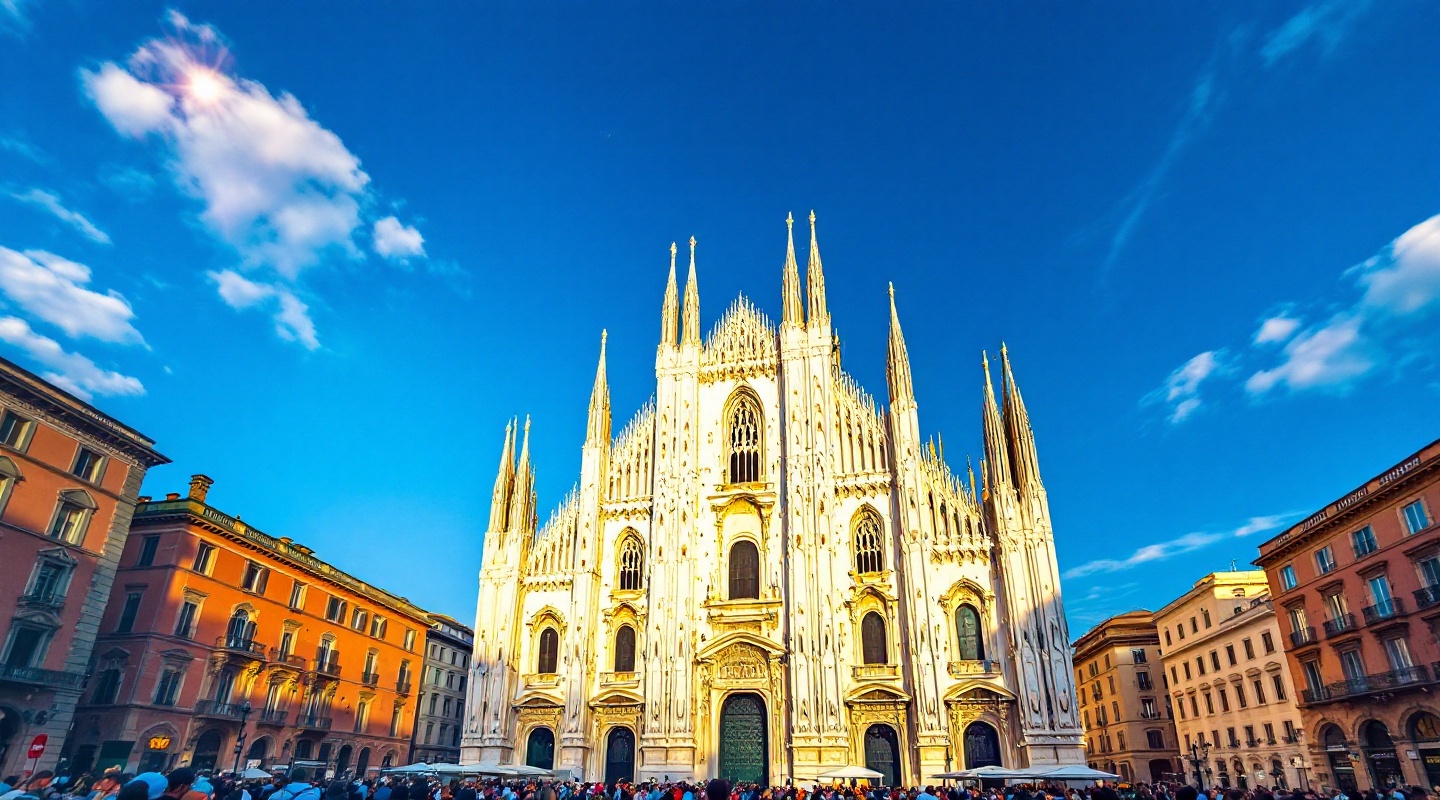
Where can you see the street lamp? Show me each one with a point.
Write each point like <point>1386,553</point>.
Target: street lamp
<point>240,740</point>
<point>1198,758</point>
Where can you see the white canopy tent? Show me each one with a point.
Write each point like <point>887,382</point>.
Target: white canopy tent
<point>850,772</point>
<point>1071,772</point>
<point>418,768</point>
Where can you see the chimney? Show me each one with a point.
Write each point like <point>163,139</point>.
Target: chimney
<point>200,486</point>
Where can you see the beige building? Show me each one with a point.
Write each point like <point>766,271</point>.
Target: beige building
<point>1128,730</point>
<point>1233,699</point>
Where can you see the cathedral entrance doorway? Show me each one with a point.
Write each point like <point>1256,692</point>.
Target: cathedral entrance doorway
<point>744,749</point>
<point>882,753</point>
<point>982,746</point>
<point>619,756</point>
<point>540,749</point>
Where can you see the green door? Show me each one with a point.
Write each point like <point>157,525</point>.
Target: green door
<point>744,751</point>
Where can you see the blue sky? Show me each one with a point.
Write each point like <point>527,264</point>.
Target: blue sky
<point>322,257</point>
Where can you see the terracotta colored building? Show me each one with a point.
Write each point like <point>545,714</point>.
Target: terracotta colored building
<point>1357,585</point>
<point>1123,700</point>
<point>69,477</point>
<point>222,642</point>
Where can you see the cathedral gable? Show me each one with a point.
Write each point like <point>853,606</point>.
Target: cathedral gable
<point>741,345</point>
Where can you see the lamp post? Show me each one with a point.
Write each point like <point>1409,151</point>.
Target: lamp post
<point>1198,758</point>
<point>240,739</point>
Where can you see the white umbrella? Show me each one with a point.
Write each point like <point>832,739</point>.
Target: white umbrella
<point>1071,772</point>
<point>992,772</point>
<point>253,773</point>
<point>850,772</point>
<point>490,769</point>
<point>529,771</point>
<point>417,768</point>
<point>451,769</point>
<point>950,776</point>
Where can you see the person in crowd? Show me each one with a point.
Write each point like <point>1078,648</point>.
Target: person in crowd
<point>32,789</point>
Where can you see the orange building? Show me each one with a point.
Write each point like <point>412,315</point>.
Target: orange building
<point>69,477</point>
<point>222,643</point>
<point>1357,584</point>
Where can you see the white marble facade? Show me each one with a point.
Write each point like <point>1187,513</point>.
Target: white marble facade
<point>767,574</point>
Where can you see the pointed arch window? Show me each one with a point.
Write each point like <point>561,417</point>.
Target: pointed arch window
<point>549,652</point>
<point>869,543</point>
<point>967,632</point>
<point>625,649</point>
<point>872,639</point>
<point>744,439</point>
<point>744,570</point>
<point>632,564</point>
<point>240,631</point>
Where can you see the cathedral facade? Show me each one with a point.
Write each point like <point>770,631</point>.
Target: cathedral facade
<point>767,574</point>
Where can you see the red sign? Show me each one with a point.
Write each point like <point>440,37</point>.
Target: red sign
<point>37,747</point>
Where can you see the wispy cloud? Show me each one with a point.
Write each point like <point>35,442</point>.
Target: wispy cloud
<point>54,290</point>
<point>50,202</point>
<point>398,241</point>
<point>1326,24</point>
<point>13,17</point>
<point>1181,391</point>
<point>291,315</point>
<point>1179,545</point>
<point>18,145</point>
<point>70,371</point>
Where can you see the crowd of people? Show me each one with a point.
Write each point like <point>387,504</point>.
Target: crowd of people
<point>300,784</point>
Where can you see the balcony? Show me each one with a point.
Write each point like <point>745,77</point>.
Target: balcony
<point>1150,714</point>
<point>1291,738</point>
<point>245,647</point>
<point>1368,684</point>
<point>1429,596</point>
<point>620,678</point>
<point>273,717</point>
<point>215,708</point>
<point>1252,743</point>
<point>313,722</point>
<point>279,659</point>
<point>542,679</point>
<point>873,672</point>
<point>50,601</point>
<point>966,669</point>
<point>36,676</point>
<point>1386,609</point>
<point>370,678</point>
<point>1341,624</point>
<point>1234,744</point>
<point>329,667</point>
<point>402,686</point>
<point>1302,637</point>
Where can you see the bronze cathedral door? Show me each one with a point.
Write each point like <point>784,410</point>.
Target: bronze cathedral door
<point>744,751</point>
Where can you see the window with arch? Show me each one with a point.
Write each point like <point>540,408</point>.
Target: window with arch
<point>869,543</point>
<point>872,639</point>
<point>967,633</point>
<point>549,652</point>
<point>632,564</point>
<point>240,631</point>
<point>744,570</point>
<point>744,438</point>
<point>625,649</point>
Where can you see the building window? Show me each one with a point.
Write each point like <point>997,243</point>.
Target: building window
<point>1280,682</point>
<point>1240,695</point>
<point>869,543</point>
<point>1324,560</point>
<point>1224,699</point>
<point>89,465</point>
<point>1364,541</point>
<point>1205,612</point>
<point>1142,679</point>
<point>632,564</point>
<point>1259,687</point>
<point>1287,577</point>
<point>362,715</point>
<point>1398,652</point>
<point>1415,517</point>
<point>872,639</point>
<point>1186,666</point>
<point>255,578</point>
<point>204,558</point>
<point>397,716</point>
<point>185,623</point>
<point>48,582</point>
<point>335,610</point>
<point>1148,709</point>
<point>1138,655</point>
<point>744,570</point>
<point>148,546</point>
<point>1167,637</point>
<point>129,612</point>
<point>107,687</point>
<point>1269,728</point>
<point>15,430</point>
<point>287,644</point>
<point>549,653</point>
<point>1155,740</point>
<point>377,627</point>
<point>1194,707</point>
<point>1230,653</point>
<point>168,687</point>
<point>1249,649</point>
<point>297,595</point>
<point>26,645</point>
<point>72,516</point>
<point>410,639</point>
<point>1174,676</point>
<point>240,632</point>
<point>625,649</point>
<point>359,619</point>
<point>1209,703</point>
<point>1267,641</point>
<point>744,438</point>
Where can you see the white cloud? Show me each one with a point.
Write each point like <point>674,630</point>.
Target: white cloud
<point>70,371</point>
<point>49,201</point>
<point>1405,278</point>
<point>1276,329</point>
<point>397,241</point>
<point>19,146</point>
<point>132,107</point>
<point>12,15</point>
<point>1325,23</point>
<point>1181,391</point>
<point>52,289</point>
<point>290,314</point>
<point>1177,546</point>
<point>1330,355</point>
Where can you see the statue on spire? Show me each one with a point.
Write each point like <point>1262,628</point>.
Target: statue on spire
<point>793,312</point>
<point>815,280</point>
<point>670,311</point>
<point>691,320</point>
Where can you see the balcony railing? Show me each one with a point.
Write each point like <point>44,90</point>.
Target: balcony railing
<point>1151,714</point>
<point>214,708</point>
<point>1302,636</point>
<point>1234,744</point>
<point>329,667</point>
<point>542,679</point>
<point>1290,738</point>
<point>1367,684</point>
<point>1383,610</point>
<point>273,717</point>
<point>402,686</point>
<point>876,671</point>
<point>42,677</point>
<point>49,600</point>
<point>370,678</point>
<point>1429,596</point>
<point>619,677</point>
<point>961,669</point>
<point>314,722</point>
<point>1339,625</point>
<point>1252,742</point>
<point>286,659</point>
<point>238,644</point>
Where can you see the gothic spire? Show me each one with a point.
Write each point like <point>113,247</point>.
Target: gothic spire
<point>815,280</point>
<point>504,480</point>
<point>523,492</point>
<point>897,362</point>
<point>692,303</point>
<point>998,464</point>
<point>597,430</point>
<point>1019,435</point>
<point>670,311</point>
<point>793,309</point>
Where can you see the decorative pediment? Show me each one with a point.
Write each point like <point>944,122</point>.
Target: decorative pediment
<point>876,694</point>
<point>617,698</point>
<point>57,555</point>
<point>978,691</point>
<point>548,613</point>
<point>716,647</point>
<point>742,343</point>
<point>534,699</point>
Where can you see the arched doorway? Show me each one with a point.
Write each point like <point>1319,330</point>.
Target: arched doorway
<point>1380,754</point>
<point>744,745</point>
<point>259,749</point>
<point>619,756</point>
<point>1342,771</point>
<point>1425,733</point>
<point>540,749</point>
<point>882,753</point>
<point>388,761</point>
<point>1241,780</point>
<point>982,746</point>
<point>362,764</point>
<point>207,750</point>
<point>342,761</point>
<point>1159,769</point>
